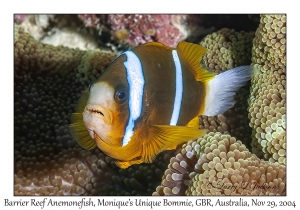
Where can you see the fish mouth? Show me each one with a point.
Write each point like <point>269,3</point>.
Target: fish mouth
<point>102,112</point>
<point>95,111</point>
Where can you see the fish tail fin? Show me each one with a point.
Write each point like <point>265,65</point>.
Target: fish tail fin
<point>220,91</point>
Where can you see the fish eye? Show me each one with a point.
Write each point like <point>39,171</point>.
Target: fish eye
<point>121,95</point>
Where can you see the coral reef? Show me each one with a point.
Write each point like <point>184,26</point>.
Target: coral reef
<point>218,164</point>
<point>90,20</point>
<point>269,45</point>
<point>227,49</point>
<point>138,29</point>
<point>76,171</point>
<point>267,101</point>
<point>120,32</point>
<point>19,18</point>
<point>267,111</point>
<point>60,30</point>
<point>30,54</point>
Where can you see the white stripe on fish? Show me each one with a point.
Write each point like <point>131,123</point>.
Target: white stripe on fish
<point>178,91</point>
<point>136,83</point>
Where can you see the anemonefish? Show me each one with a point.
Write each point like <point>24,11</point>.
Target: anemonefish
<point>149,99</point>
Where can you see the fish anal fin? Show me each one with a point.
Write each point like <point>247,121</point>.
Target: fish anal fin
<point>194,123</point>
<point>166,137</point>
<point>192,54</point>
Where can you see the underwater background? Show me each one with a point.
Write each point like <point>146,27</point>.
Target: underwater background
<point>56,57</point>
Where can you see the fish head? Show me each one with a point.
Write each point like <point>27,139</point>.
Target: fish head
<point>106,112</point>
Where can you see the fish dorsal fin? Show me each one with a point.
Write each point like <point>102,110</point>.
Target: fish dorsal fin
<point>165,137</point>
<point>77,128</point>
<point>157,44</point>
<point>194,123</point>
<point>192,55</point>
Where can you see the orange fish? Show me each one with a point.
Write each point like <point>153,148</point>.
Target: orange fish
<point>149,99</point>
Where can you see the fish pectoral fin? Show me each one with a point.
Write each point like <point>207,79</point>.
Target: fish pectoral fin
<point>194,123</point>
<point>171,148</point>
<point>77,128</point>
<point>81,135</point>
<point>192,55</point>
<point>82,100</point>
<point>165,137</point>
<point>126,164</point>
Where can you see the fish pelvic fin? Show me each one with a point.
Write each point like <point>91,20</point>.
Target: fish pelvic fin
<point>166,137</point>
<point>194,123</point>
<point>77,128</point>
<point>192,54</point>
<point>126,164</point>
<point>220,91</point>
